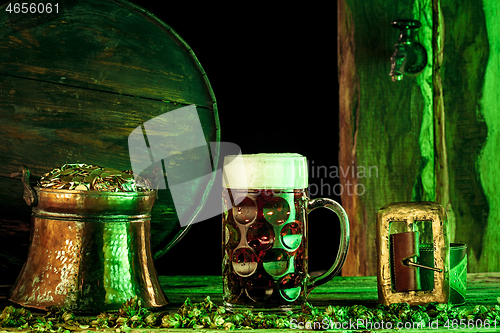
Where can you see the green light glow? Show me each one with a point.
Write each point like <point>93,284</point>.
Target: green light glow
<point>425,185</point>
<point>489,160</point>
<point>117,278</point>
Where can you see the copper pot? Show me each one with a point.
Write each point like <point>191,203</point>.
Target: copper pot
<point>89,251</point>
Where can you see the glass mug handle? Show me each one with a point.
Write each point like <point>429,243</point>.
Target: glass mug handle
<point>344,240</point>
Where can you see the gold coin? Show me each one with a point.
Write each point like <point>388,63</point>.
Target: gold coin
<point>89,179</point>
<point>112,171</point>
<point>67,172</point>
<point>81,187</point>
<point>96,172</point>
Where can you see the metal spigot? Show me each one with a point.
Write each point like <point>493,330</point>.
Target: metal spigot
<point>409,57</point>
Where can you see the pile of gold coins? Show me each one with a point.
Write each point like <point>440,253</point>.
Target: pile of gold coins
<point>86,177</point>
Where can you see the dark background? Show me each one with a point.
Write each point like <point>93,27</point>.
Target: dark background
<point>273,71</point>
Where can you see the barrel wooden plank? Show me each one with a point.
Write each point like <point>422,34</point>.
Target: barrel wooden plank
<point>106,46</point>
<point>65,124</point>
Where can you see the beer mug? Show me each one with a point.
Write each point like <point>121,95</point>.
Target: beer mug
<point>264,223</point>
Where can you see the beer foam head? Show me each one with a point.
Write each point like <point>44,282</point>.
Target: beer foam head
<point>265,171</point>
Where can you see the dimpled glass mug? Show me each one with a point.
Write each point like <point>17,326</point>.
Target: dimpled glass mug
<point>264,223</point>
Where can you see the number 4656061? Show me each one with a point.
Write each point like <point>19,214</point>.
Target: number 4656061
<point>32,8</point>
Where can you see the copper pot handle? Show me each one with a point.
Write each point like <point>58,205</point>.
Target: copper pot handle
<point>29,193</point>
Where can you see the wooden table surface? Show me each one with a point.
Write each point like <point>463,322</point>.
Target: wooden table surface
<point>482,289</point>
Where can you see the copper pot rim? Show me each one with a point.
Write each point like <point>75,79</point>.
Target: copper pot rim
<point>95,193</point>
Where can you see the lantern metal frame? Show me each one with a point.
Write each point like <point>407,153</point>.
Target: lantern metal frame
<point>409,213</point>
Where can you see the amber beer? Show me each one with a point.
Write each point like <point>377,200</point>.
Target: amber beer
<point>264,232</point>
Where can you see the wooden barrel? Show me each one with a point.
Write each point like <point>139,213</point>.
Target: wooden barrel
<point>74,83</point>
